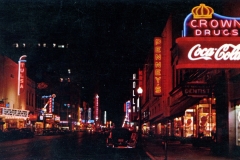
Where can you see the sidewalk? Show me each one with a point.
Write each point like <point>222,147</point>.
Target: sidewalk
<point>177,151</point>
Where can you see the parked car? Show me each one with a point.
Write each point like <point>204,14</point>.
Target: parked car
<point>121,138</point>
<point>26,133</point>
<point>3,136</point>
<point>12,133</point>
<point>47,131</point>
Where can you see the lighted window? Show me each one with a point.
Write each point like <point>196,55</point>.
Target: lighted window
<point>68,80</point>
<point>44,45</point>
<point>69,71</point>
<point>54,45</point>
<point>61,79</point>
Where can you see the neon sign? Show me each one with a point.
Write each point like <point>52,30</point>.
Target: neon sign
<point>208,52</point>
<point>21,74</point>
<point>209,40</point>
<point>157,66</point>
<point>96,106</point>
<point>224,52</point>
<point>203,22</point>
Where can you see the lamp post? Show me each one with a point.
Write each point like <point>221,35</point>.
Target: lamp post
<point>140,91</point>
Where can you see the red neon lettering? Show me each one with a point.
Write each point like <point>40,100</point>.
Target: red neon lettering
<point>21,85</point>
<point>193,24</point>
<point>216,33</point>
<point>225,32</point>
<point>236,24</point>
<point>197,32</point>
<point>203,23</point>
<point>22,65</point>
<point>207,32</point>
<point>213,24</point>
<point>225,23</point>
<point>234,32</point>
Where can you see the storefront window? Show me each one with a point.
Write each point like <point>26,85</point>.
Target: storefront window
<point>238,125</point>
<point>178,127</point>
<point>188,129</point>
<point>206,118</point>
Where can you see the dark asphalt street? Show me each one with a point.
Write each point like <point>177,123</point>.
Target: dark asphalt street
<point>74,146</point>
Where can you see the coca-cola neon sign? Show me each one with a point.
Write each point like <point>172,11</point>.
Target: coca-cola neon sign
<point>224,52</point>
<point>208,52</point>
<point>203,22</point>
<point>209,40</point>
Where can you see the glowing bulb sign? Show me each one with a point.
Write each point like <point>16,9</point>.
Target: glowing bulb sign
<point>209,40</point>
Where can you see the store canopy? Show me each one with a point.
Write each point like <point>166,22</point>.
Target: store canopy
<point>178,109</point>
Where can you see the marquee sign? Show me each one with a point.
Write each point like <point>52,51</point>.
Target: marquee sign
<point>15,112</point>
<point>209,40</point>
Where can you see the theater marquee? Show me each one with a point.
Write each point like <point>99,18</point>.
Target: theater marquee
<point>209,40</point>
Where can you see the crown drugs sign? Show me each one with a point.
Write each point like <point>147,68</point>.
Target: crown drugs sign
<point>209,40</point>
<point>203,22</point>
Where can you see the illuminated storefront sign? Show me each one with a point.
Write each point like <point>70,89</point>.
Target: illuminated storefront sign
<point>21,74</point>
<point>203,22</point>
<point>96,106</point>
<point>50,105</point>
<point>57,118</point>
<point>48,115</point>
<point>32,117</point>
<point>209,52</point>
<point>15,112</point>
<point>128,110</point>
<point>197,90</point>
<point>209,40</point>
<point>89,113</point>
<point>157,66</point>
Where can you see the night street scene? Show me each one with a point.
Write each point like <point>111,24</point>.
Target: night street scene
<point>119,80</point>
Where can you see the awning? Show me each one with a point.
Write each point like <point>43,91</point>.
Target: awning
<point>178,109</point>
<point>159,119</point>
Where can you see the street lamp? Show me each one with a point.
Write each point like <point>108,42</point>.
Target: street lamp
<point>140,91</point>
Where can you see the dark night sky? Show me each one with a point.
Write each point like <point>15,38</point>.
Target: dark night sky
<point>108,40</point>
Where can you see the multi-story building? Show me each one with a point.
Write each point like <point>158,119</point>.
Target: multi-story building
<point>196,65</point>
<point>17,93</point>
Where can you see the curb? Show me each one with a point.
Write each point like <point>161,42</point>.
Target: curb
<point>151,156</point>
